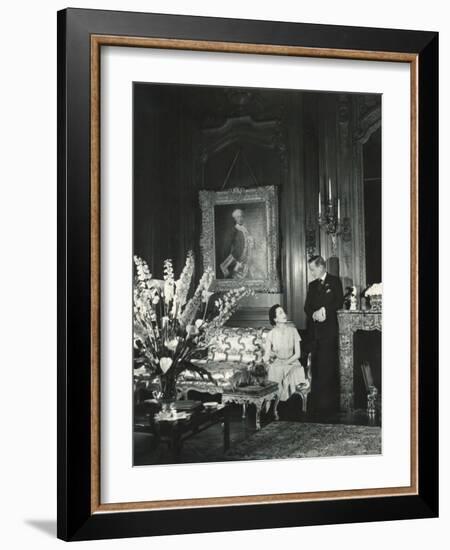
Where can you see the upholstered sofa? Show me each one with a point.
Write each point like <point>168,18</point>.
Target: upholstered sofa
<point>234,361</point>
<point>231,357</point>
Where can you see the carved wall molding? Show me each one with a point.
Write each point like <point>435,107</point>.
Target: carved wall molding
<point>367,119</point>
<point>368,124</point>
<point>343,118</point>
<point>219,104</point>
<point>310,237</point>
<point>357,201</point>
<point>252,121</point>
<point>243,130</point>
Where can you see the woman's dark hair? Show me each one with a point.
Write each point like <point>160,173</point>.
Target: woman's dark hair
<point>273,313</point>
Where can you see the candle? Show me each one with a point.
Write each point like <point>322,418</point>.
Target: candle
<point>329,189</point>
<point>320,205</point>
<point>339,210</point>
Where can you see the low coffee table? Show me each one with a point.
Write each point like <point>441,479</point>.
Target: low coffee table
<point>255,395</point>
<point>176,432</point>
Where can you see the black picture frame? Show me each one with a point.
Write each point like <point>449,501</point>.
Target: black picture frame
<point>77,518</point>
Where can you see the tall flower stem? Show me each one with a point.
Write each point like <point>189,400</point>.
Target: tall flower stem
<point>206,307</point>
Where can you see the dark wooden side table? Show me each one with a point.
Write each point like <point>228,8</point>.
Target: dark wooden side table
<point>176,432</point>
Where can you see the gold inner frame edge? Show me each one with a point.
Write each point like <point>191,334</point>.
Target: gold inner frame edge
<point>97,41</point>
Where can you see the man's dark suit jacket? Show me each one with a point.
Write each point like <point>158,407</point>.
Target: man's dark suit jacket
<point>329,295</point>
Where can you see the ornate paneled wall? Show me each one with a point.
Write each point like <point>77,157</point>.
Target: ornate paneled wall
<point>336,128</point>
<point>255,145</point>
<point>192,138</point>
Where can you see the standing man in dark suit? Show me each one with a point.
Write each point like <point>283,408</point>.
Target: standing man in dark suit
<point>324,298</point>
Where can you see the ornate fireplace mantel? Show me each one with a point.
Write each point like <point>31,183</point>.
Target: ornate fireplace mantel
<point>349,323</point>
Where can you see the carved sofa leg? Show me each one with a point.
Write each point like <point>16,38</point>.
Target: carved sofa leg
<point>275,408</point>
<point>304,396</point>
<point>258,415</point>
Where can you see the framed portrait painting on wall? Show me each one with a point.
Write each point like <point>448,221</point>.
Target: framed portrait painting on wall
<point>215,178</point>
<point>240,237</point>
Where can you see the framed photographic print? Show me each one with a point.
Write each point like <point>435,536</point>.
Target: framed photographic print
<point>247,252</point>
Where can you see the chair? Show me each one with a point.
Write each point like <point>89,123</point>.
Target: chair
<point>305,389</point>
<point>305,359</point>
<point>372,391</point>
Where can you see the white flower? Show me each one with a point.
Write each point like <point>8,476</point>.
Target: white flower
<point>375,290</point>
<point>171,344</point>
<point>140,370</point>
<point>156,284</point>
<point>199,323</point>
<point>155,300</point>
<point>168,291</point>
<point>206,295</point>
<point>165,364</point>
<point>191,330</point>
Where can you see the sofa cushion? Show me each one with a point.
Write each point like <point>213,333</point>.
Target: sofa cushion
<point>249,357</point>
<point>222,372</point>
<point>239,344</point>
<point>232,351</point>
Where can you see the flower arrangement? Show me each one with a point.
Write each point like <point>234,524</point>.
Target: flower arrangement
<point>374,290</point>
<point>375,293</point>
<point>170,329</point>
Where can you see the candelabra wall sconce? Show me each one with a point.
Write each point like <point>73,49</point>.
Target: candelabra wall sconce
<point>329,218</point>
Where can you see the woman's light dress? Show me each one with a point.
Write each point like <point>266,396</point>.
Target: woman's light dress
<point>287,375</point>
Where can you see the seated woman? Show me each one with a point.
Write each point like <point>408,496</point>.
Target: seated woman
<point>282,353</point>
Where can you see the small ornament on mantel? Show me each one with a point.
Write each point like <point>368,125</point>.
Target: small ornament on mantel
<point>350,299</point>
<point>375,295</point>
<point>353,300</point>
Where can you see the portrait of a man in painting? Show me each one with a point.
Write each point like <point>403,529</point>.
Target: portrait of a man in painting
<point>240,236</point>
<point>241,242</point>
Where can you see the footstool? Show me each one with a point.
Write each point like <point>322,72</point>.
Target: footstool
<point>254,395</point>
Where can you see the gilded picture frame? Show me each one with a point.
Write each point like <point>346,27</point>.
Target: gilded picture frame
<point>260,270</point>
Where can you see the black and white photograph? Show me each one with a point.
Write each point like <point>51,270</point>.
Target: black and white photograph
<point>257,295</point>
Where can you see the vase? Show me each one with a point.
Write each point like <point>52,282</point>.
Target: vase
<point>376,302</point>
<point>168,384</point>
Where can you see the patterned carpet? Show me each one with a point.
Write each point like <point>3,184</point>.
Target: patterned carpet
<point>301,440</point>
